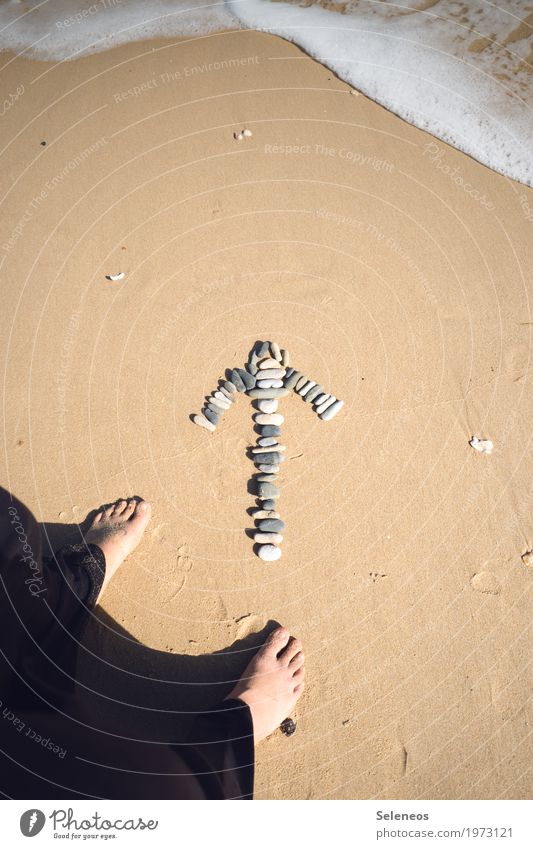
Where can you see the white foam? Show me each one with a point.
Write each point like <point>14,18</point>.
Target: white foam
<point>430,67</point>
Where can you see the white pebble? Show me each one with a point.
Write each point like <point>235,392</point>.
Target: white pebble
<point>268,363</point>
<point>332,411</point>
<point>216,402</point>
<point>118,276</point>
<point>201,421</point>
<point>269,552</point>
<point>221,397</point>
<point>320,399</point>
<point>266,449</point>
<point>247,134</point>
<point>325,404</point>
<point>268,405</point>
<point>269,418</point>
<point>273,383</point>
<point>484,446</point>
<point>306,388</point>
<point>238,136</point>
<point>268,536</point>
<point>265,514</point>
<point>275,351</point>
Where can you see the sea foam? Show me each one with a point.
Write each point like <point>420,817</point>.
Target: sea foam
<point>457,70</point>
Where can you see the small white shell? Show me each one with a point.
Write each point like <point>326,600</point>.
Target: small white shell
<point>238,136</point>
<point>247,134</point>
<point>118,276</point>
<point>484,446</point>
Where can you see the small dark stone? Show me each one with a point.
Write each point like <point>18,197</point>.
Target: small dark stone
<point>246,378</point>
<point>288,727</point>
<point>263,350</point>
<point>216,410</point>
<point>289,372</point>
<point>210,416</point>
<point>269,458</point>
<point>272,525</point>
<point>235,378</point>
<point>270,430</point>
<point>252,368</point>
<point>268,504</point>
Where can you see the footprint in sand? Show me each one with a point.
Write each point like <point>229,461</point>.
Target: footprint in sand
<point>250,623</point>
<point>485,582</point>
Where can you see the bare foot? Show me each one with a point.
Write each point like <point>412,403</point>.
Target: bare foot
<point>272,682</point>
<point>117,530</point>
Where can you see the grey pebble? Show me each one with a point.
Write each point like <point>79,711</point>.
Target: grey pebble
<point>227,394</point>
<point>271,373</point>
<point>285,359</point>
<point>236,380</point>
<point>289,372</point>
<point>291,381</point>
<point>210,416</point>
<point>302,380</point>
<point>272,469</point>
<point>325,404</point>
<point>266,477</point>
<point>265,514</point>
<point>267,490</point>
<point>270,430</point>
<point>271,383</point>
<point>314,392</point>
<point>203,422</point>
<point>275,539</point>
<point>229,386</point>
<point>270,458</point>
<point>274,525</point>
<point>222,405</point>
<point>268,393</point>
<point>263,350</point>
<point>264,441</point>
<point>321,399</point>
<point>331,411</point>
<point>252,368</point>
<point>216,410</point>
<point>275,350</point>
<point>269,504</point>
<point>306,387</point>
<point>269,552</point>
<point>247,378</point>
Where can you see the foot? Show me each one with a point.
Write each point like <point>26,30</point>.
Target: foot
<point>117,530</point>
<point>272,682</point>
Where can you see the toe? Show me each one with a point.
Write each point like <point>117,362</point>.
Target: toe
<point>143,508</point>
<point>108,511</point>
<point>119,507</point>
<point>292,649</point>
<point>298,689</point>
<point>277,641</point>
<point>297,661</point>
<point>98,517</point>
<point>129,509</point>
<point>299,675</point>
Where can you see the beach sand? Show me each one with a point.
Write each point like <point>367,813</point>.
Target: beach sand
<point>397,271</point>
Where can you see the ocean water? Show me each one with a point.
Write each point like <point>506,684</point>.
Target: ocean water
<point>460,70</point>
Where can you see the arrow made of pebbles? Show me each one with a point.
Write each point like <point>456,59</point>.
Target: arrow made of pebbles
<point>266,378</point>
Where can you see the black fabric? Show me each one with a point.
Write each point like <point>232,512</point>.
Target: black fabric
<point>50,746</point>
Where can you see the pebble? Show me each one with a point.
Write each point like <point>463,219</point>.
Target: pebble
<point>269,552</point>
<point>229,386</point>
<point>271,373</point>
<point>227,394</point>
<point>247,134</point>
<point>236,380</point>
<point>260,449</point>
<point>275,539</point>
<point>270,384</point>
<point>331,411</point>
<point>268,393</point>
<point>269,419</point>
<point>302,380</point>
<point>314,392</point>
<point>247,378</point>
<point>218,396</point>
<point>265,514</point>
<point>285,359</point>
<point>201,421</point>
<point>263,350</point>
<point>527,557</point>
<point>265,489</point>
<point>254,355</point>
<point>267,440</point>
<point>288,726</point>
<point>276,352</point>
<point>274,525</point>
<point>272,468</point>
<point>292,379</point>
<point>484,446</point>
<point>252,368</point>
<point>268,405</point>
<point>269,458</point>
<point>268,363</point>
<point>211,416</point>
<point>270,430</point>
<point>306,387</point>
<point>222,406</point>
<point>322,398</point>
<point>269,504</point>
<point>331,400</point>
<point>266,477</point>
<point>216,410</point>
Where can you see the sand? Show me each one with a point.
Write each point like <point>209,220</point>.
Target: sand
<point>397,271</point>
